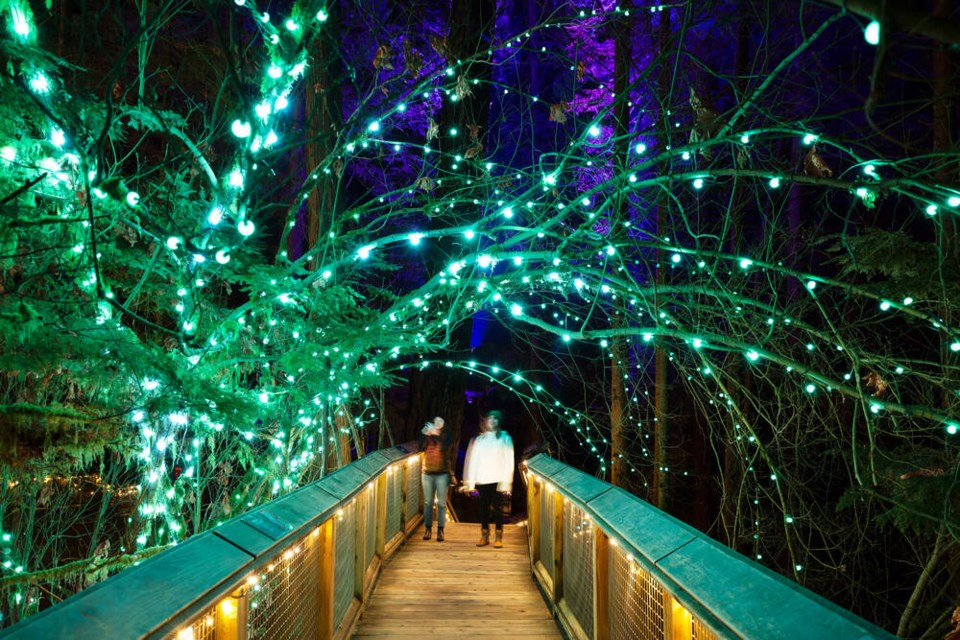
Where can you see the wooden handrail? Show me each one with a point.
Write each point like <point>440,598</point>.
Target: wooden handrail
<point>213,580</point>
<point>703,588</point>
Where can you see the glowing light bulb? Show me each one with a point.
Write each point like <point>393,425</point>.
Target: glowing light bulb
<point>240,129</point>
<point>872,33</point>
<point>20,24</point>
<point>246,228</point>
<point>39,83</point>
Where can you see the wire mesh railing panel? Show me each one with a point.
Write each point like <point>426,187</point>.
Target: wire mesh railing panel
<point>546,532</point>
<point>414,490</point>
<point>394,503</point>
<point>370,530</point>
<point>701,632</point>
<point>283,603</point>
<point>578,570</point>
<point>345,528</point>
<point>635,600</point>
<point>203,628</point>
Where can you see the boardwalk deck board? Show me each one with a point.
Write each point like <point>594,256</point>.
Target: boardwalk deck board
<point>453,589</point>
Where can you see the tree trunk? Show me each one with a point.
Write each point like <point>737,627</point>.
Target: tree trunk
<point>661,437</point>
<point>324,121</point>
<point>463,125</point>
<point>619,361</point>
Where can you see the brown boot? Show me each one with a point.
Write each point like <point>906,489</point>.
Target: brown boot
<point>484,538</point>
<point>439,534</point>
<point>498,541</point>
<point>426,533</point>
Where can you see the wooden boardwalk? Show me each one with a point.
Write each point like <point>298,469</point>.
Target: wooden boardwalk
<point>454,589</point>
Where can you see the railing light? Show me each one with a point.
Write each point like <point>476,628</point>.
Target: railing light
<point>228,608</point>
<point>252,580</point>
<point>185,634</point>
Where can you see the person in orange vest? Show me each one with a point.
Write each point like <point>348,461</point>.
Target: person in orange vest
<point>488,471</point>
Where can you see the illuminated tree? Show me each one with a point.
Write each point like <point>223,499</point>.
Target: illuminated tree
<point>722,239</point>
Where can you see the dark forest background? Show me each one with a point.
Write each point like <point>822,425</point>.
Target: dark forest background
<point>706,251</point>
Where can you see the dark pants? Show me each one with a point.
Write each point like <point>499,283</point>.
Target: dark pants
<point>491,505</point>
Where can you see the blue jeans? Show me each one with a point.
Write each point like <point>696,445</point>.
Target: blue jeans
<point>435,484</point>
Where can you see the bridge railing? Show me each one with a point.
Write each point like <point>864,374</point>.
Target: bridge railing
<point>297,567</point>
<point>613,566</point>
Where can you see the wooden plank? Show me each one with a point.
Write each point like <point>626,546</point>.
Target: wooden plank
<point>456,589</point>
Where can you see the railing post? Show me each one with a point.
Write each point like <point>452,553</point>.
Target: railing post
<point>533,519</point>
<point>360,545</point>
<point>327,570</point>
<point>231,616</point>
<point>677,621</point>
<point>381,491</point>
<point>601,594</point>
<point>557,547</point>
<point>404,481</point>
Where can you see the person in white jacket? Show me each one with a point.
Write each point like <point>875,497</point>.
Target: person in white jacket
<point>488,470</point>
